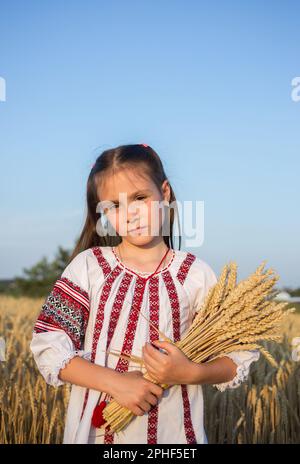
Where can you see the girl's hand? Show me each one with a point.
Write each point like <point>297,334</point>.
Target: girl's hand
<point>172,368</point>
<point>136,393</point>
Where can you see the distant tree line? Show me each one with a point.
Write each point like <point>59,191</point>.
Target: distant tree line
<point>39,279</point>
<point>292,292</point>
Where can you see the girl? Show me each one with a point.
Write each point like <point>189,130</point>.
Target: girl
<point>120,276</point>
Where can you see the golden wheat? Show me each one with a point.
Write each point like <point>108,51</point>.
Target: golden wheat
<point>232,317</point>
<point>27,426</point>
<point>30,410</point>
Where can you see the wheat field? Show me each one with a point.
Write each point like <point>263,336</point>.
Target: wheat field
<point>264,409</point>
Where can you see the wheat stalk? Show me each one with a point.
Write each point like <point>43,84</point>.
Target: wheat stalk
<point>234,316</point>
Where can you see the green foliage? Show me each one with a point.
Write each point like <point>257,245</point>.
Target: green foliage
<point>292,292</point>
<point>38,279</point>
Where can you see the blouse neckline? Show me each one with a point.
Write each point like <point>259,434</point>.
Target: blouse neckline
<point>141,273</point>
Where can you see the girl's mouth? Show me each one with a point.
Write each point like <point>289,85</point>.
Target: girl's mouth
<point>138,229</point>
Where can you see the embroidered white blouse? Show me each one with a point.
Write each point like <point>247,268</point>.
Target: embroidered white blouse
<point>96,305</point>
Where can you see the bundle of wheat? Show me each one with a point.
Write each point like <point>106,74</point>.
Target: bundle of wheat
<point>232,317</point>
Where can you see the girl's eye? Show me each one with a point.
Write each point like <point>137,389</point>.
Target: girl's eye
<point>111,208</point>
<point>116,205</point>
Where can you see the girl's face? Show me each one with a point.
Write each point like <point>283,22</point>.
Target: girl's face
<point>130,201</point>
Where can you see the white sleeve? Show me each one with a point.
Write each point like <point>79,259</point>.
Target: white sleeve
<point>59,330</point>
<point>243,360</point>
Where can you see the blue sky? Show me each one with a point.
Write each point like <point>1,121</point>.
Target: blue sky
<point>206,84</point>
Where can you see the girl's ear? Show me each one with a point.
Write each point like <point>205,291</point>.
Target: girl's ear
<point>166,190</point>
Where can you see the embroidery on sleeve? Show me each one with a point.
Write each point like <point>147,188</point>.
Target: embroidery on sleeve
<point>66,308</point>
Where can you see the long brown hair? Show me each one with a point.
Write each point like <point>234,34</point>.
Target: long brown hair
<point>133,155</point>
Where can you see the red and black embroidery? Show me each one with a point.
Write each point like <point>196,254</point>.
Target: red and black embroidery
<point>154,318</point>
<point>110,276</point>
<point>130,331</point>
<point>117,306</point>
<point>66,308</point>
<point>185,267</point>
<point>103,263</point>
<point>174,301</point>
<point>123,364</point>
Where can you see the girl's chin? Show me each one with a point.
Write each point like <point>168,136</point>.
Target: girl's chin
<point>139,236</point>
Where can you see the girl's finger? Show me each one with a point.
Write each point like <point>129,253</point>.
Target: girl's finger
<point>151,361</point>
<point>152,399</point>
<point>155,353</point>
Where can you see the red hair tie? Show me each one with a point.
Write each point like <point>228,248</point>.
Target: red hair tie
<point>144,144</point>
